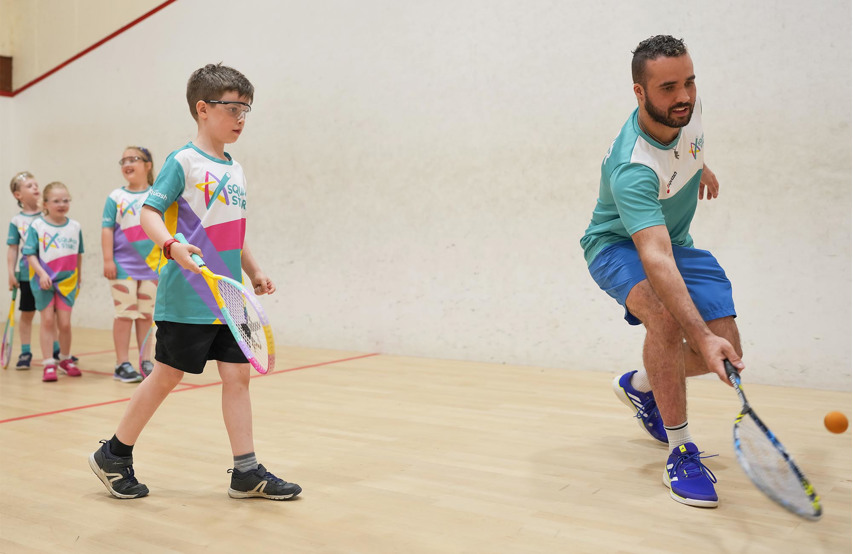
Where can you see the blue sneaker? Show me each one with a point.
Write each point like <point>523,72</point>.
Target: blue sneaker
<point>689,481</point>
<point>643,403</point>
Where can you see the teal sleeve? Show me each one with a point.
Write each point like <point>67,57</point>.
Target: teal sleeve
<point>635,191</point>
<point>110,212</point>
<point>168,186</point>
<point>31,244</point>
<point>14,236</point>
<point>81,242</point>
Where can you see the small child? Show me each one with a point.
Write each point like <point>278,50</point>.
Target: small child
<point>191,195</point>
<point>54,250</point>
<point>131,261</point>
<point>25,189</point>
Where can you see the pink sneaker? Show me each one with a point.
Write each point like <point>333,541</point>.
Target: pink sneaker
<point>49,373</point>
<point>69,368</point>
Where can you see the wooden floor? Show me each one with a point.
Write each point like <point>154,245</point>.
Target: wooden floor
<point>402,455</point>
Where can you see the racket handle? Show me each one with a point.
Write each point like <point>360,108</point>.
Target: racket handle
<point>730,369</point>
<point>196,258</point>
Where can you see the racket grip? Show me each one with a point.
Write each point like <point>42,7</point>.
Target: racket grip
<point>730,369</point>
<point>196,258</point>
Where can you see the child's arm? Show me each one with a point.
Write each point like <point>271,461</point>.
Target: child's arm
<point>260,282</point>
<point>45,282</point>
<point>12,263</point>
<point>152,224</point>
<point>107,249</point>
<point>79,272</point>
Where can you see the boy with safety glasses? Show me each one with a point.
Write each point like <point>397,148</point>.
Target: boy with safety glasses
<point>200,192</point>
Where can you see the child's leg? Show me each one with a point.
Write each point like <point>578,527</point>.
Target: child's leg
<point>248,478</point>
<point>145,294</point>
<point>237,406</point>
<point>47,331</point>
<point>145,400</point>
<point>121,338</point>
<point>25,327</point>
<point>143,324</point>
<point>126,311</point>
<point>63,325</point>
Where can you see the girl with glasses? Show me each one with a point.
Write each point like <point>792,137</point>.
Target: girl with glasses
<point>131,262</point>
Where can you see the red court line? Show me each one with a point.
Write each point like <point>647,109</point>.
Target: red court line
<point>186,387</point>
<point>89,49</point>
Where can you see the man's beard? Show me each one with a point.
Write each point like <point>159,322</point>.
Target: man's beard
<point>664,118</point>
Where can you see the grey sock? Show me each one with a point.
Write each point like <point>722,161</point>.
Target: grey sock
<point>246,462</point>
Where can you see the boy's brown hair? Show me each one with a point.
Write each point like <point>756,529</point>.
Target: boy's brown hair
<point>212,81</point>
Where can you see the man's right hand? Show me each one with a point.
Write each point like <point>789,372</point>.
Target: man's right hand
<point>714,350</point>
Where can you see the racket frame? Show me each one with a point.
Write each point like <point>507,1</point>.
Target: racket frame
<point>212,281</point>
<point>747,411</point>
<point>143,348</point>
<point>9,333</point>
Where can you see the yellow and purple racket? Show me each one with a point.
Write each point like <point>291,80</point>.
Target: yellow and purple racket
<point>146,351</point>
<point>9,333</point>
<point>243,315</point>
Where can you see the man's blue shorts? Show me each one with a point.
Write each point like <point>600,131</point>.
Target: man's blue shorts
<point>617,269</point>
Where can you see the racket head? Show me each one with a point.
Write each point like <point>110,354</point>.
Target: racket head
<point>248,323</point>
<point>243,314</point>
<point>773,471</point>
<point>146,350</point>
<point>766,462</point>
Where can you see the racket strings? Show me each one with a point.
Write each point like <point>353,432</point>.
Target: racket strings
<point>768,467</point>
<point>246,318</point>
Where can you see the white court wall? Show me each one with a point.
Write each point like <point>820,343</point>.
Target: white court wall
<point>41,34</point>
<point>421,173</point>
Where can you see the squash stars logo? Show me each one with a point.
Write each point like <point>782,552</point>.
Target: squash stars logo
<point>213,188</point>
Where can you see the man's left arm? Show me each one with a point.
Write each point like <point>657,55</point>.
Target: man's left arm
<point>709,181</point>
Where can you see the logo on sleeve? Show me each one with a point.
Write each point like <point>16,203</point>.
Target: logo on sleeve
<point>697,145</point>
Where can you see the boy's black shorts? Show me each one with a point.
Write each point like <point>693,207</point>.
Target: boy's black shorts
<point>26,300</point>
<point>188,346</point>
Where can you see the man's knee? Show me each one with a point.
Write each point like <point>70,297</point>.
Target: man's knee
<point>644,303</point>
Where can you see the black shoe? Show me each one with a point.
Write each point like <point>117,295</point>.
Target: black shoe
<point>56,355</point>
<point>126,374</point>
<point>260,483</point>
<point>116,473</point>
<point>24,360</point>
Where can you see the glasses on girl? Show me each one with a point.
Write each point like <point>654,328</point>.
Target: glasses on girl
<point>129,160</point>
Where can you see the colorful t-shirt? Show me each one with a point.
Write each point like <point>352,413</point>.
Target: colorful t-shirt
<point>136,256</point>
<point>17,235</point>
<point>205,199</point>
<point>57,248</point>
<point>645,183</point>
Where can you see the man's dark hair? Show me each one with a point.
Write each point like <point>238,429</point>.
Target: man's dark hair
<point>212,81</point>
<point>651,49</point>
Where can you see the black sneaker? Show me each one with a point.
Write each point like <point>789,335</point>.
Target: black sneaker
<point>260,483</point>
<point>116,473</point>
<point>56,355</point>
<point>24,360</point>
<point>126,374</point>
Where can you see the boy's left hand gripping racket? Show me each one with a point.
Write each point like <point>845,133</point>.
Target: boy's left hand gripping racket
<point>9,333</point>
<point>242,314</point>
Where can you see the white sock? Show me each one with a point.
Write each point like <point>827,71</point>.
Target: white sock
<point>640,381</point>
<point>48,361</point>
<point>678,435</point>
